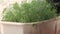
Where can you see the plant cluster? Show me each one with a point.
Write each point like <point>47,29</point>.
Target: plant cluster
<point>37,10</point>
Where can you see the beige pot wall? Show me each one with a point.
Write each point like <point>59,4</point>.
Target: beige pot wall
<point>15,28</point>
<point>44,27</point>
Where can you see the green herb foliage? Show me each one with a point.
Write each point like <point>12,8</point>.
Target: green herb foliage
<point>37,10</point>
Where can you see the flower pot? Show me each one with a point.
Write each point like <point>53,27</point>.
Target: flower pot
<point>43,27</point>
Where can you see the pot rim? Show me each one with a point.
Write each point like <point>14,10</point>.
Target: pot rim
<point>21,23</point>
